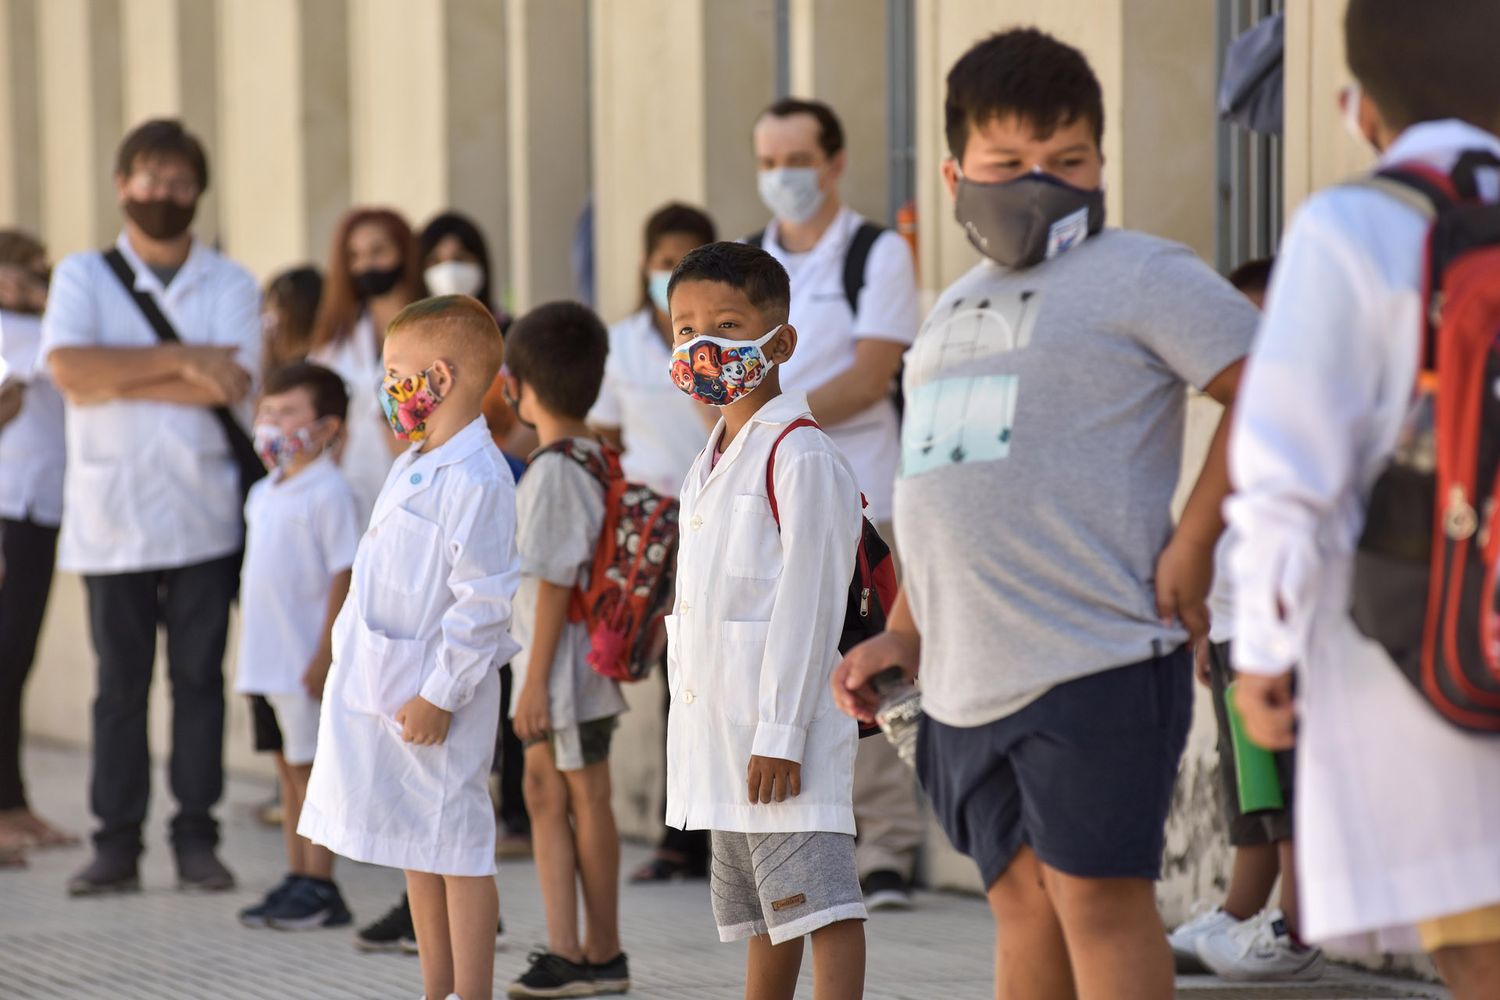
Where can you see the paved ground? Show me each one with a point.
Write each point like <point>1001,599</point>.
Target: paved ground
<point>161,944</point>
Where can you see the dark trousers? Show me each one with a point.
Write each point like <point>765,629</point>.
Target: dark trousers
<point>30,551</point>
<point>125,609</point>
<point>510,764</point>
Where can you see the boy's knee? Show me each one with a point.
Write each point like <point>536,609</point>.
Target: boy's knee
<point>545,793</point>
<point>1018,894</point>
<point>1100,905</point>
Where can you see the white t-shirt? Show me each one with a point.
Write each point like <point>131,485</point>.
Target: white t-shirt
<point>32,454</point>
<point>150,485</point>
<point>662,430</point>
<point>299,534</point>
<point>367,454</point>
<point>889,309</point>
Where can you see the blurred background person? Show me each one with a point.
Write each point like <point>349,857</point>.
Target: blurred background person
<point>289,307</point>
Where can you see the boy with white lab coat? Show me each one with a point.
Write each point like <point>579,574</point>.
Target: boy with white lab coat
<point>755,753</point>
<point>413,699</point>
<point>1398,827</point>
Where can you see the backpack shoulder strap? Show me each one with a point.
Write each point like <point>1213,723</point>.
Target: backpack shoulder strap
<point>771,463</point>
<point>604,467</point>
<point>162,326</point>
<point>856,259</point>
<point>757,239</point>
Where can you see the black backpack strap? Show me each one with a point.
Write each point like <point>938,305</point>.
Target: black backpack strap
<point>757,239</point>
<point>240,446</point>
<point>855,260</point>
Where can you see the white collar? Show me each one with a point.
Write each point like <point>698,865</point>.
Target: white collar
<point>146,279</point>
<point>1437,140</point>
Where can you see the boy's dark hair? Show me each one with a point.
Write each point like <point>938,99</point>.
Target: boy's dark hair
<point>1425,61</point>
<point>1026,73</point>
<point>739,265</point>
<point>559,349</point>
<point>1253,275</point>
<point>830,130</point>
<point>672,219</point>
<point>162,137</point>
<point>329,397</point>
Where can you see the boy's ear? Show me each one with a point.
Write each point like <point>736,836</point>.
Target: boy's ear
<point>950,177</point>
<point>783,345</point>
<point>442,377</point>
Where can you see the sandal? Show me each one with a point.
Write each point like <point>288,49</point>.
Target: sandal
<point>664,869</point>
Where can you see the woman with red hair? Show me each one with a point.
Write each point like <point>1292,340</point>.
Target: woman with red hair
<point>374,271</point>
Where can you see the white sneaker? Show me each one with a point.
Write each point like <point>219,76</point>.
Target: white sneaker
<point>1184,940</point>
<point>1259,950</point>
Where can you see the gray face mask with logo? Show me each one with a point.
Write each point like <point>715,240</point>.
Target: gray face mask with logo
<point>1022,222</point>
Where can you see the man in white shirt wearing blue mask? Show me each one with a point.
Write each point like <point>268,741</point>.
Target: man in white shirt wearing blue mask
<point>854,297</point>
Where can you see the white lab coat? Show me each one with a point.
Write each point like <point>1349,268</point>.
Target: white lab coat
<point>754,637</point>
<point>428,613</point>
<point>1397,816</point>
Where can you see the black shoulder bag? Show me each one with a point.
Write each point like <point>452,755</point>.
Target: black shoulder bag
<point>241,448</point>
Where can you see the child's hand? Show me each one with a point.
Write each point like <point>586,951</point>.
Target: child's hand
<point>772,779</point>
<point>315,677</point>
<point>1184,574</point>
<point>1265,705</point>
<point>531,718</point>
<point>1201,663</point>
<point>423,723</point>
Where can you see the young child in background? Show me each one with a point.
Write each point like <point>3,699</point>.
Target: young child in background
<point>301,529</point>
<point>564,711</point>
<point>1398,835</point>
<point>1241,939</point>
<point>413,699</point>
<point>755,753</point>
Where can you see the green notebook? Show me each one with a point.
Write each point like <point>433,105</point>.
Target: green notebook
<point>1254,766</point>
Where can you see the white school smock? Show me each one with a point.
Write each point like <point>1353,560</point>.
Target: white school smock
<point>827,331</point>
<point>150,485</point>
<point>367,454</point>
<point>753,639</point>
<point>1398,819</point>
<point>32,453</point>
<point>661,428</point>
<point>299,534</point>
<point>428,614</point>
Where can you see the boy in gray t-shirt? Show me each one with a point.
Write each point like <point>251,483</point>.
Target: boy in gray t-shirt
<point>1048,598</point>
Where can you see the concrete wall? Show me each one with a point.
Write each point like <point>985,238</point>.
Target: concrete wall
<point>516,111</point>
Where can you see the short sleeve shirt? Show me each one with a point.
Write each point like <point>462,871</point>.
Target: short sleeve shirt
<point>1041,449</point>
<point>299,534</point>
<point>559,514</point>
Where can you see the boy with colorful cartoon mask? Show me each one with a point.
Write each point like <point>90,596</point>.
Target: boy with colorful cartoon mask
<point>413,698</point>
<point>754,753</point>
<point>301,528</point>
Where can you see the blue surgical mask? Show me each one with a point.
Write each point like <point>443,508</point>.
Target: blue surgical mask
<point>656,285</point>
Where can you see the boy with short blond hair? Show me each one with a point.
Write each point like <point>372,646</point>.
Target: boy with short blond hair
<point>413,698</point>
<point>754,752</point>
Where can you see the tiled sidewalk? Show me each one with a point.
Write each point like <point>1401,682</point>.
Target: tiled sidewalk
<point>163,945</point>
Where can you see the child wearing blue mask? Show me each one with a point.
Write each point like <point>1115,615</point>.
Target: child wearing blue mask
<point>770,520</point>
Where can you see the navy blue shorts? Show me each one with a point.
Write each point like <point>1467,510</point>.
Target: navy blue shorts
<point>1083,775</point>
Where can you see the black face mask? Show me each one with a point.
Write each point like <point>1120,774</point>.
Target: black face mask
<point>161,218</point>
<point>514,402</point>
<point>375,283</point>
<point>1025,221</point>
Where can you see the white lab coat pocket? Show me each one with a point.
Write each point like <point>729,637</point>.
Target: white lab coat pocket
<point>743,651</point>
<point>753,550</point>
<point>386,673</point>
<point>410,547</point>
<point>97,488</point>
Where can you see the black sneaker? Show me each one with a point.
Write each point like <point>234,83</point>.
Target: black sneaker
<point>200,870</point>
<point>109,872</point>
<point>312,904</point>
<point>886,890</point>
<point>553,976</point>
<point>392,932</point>
<point>255,916</point>
<point>612,976</point>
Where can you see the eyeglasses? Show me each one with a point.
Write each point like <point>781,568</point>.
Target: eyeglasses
<point>146,182</point>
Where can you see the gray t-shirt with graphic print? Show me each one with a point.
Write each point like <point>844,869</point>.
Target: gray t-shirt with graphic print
<point>1041,447</point>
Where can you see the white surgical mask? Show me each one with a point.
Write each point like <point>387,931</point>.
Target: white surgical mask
<point>656,285</point>
<point>454,277</point>
<point>791,193</point>
<point>1350,101</point>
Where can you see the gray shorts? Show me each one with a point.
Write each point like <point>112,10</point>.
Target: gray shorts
<point>783,884</point>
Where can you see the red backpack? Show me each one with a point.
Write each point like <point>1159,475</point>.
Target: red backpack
<point>1425,568</point>
<point>632,580</point>
<point>873,589</point>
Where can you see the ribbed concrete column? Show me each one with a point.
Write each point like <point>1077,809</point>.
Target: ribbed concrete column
<point>476,147</point>
<point>20,162</point>
<point>1318,151</point>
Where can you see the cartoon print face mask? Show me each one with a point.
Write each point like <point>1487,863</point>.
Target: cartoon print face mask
<point>717,371</point>
<point>277,449</point>
<point>408,400</point>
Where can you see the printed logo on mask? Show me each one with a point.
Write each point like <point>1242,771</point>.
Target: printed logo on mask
<point>408,400</point>
<point>718,372</point>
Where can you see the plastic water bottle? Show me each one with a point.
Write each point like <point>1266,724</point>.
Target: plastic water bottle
<point>900,711</point>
